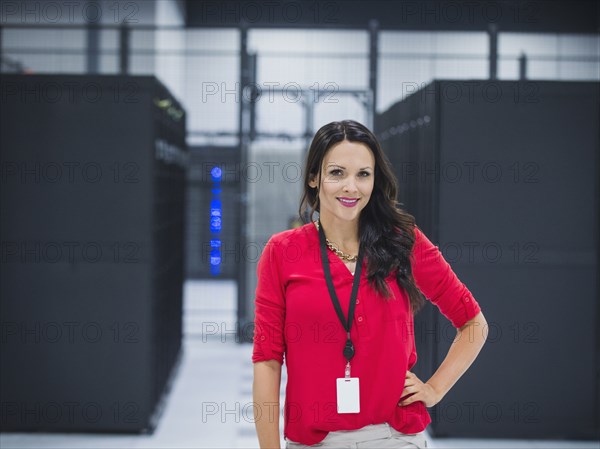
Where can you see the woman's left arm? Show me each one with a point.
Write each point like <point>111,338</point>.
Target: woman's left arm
<point>469,340</point>
<point>435,278</point>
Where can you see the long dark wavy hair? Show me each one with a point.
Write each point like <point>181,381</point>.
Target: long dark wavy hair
<point>386,231</point>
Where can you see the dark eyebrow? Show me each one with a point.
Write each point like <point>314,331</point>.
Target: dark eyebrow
<point>336,165</point>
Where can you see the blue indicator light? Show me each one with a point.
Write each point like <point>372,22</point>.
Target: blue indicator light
<point>216,174</point>
<point>215,224</point>
<point>215,221</point>
<point>215,257</point>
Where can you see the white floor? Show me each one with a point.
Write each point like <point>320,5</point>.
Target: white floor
<point>209,405</point>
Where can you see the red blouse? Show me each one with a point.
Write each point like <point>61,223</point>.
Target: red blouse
<point>294,316</point>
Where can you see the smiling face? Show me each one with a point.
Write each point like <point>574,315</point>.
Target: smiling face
<point>347,174</point>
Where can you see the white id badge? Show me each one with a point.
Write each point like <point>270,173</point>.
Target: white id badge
<point>348,399</point>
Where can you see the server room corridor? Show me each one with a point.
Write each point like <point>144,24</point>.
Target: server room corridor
<point>209,402</point>
<point>161,166</point>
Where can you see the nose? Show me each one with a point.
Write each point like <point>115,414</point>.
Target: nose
<point>350,185</point>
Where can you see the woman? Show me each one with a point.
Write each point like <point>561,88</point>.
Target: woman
<point>336,298</point>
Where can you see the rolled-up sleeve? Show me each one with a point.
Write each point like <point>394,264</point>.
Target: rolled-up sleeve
<point>269,311</point>
<point>436,280</point>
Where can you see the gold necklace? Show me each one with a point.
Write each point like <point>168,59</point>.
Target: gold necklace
<point>332,246</point>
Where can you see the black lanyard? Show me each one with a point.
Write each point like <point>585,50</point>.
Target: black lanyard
<point>349,348</point>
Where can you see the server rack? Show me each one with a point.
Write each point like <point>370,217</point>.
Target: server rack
<point>201,191</point>
<point>503,177</point>
<point>92,223</point>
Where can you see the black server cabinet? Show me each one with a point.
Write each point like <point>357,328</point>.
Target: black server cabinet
<point>203,190</point>
<point>92,224</point>
<point>504,177</point>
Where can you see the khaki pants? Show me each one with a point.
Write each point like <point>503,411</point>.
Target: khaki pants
<point>369,437</point>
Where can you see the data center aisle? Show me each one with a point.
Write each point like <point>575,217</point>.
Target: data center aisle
<point>209,404</point>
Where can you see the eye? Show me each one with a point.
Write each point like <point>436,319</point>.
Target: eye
<point>365,173</point>
<point>333,172</point>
